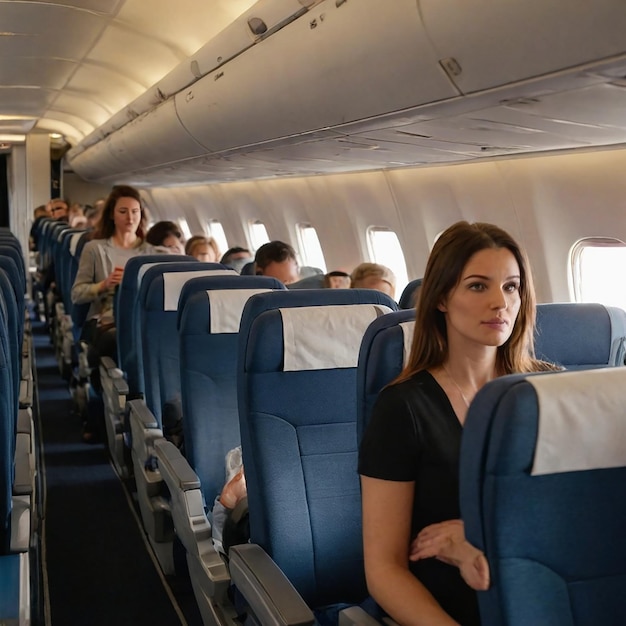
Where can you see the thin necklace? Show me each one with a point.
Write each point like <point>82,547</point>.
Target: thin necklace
<point>456,385</point>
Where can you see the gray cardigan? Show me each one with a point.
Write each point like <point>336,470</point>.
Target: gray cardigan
<point>97,261</point>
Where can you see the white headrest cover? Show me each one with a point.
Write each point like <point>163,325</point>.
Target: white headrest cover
<point>326,337</point>
<point>74,242</point>
<point>143,269</point>
<point>226,306</point>
<point>408,329</point>
<point>173,283</point>
<point>582,420</point>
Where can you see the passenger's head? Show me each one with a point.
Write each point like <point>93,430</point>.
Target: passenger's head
<point>374,276</point>
<point>168,235</point>
<point>122,213</point>
<point>203,248</point>
<point>93,213</point>
<point>58,209</point>
<point>277,259</point>
<point>337,280</point>
<point>40,211</point>
<point>469,263</point>
<point>236,258</point>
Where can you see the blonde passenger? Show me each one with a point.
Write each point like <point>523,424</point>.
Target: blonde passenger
<point>474,322</point>
<point>374,276</point>
<point>203,248</point>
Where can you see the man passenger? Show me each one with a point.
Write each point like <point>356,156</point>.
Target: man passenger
<point>277,259</point>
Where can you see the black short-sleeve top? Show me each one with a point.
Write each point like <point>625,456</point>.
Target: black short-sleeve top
<point>415,435</point>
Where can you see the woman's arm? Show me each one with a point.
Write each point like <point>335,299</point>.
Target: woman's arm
<point>387,511</point>
<point>87,287</point>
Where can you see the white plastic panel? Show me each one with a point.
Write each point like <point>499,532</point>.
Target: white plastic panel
<point>497,42</point>
<point>322,70</point>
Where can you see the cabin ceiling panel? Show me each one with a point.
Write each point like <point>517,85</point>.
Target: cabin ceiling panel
<point>44,73</point>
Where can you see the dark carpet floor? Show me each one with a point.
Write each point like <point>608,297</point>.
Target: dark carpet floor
<point>99,570</point>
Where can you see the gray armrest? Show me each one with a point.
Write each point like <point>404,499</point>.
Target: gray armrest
<point>26,394</point>
<point>20,524</point>
<point>108,363</point>
<point>356,616</point>
<point>143,414</point>
<point>176,466</point>
<point>25,421</point>
<point>23,481</point>
<point>272,598</point>
<point>120,386</point>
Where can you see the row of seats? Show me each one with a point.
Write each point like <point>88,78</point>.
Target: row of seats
<point>302,495</point>
<point>18,469</point>
<point>253,367</point>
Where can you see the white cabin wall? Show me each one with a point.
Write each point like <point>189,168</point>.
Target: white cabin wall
<point>546,202</point>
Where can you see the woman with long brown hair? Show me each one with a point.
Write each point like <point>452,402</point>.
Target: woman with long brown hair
<point>118,236</point>
<point>474,322</point>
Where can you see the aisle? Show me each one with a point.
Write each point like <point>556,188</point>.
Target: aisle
<point>99,569</point>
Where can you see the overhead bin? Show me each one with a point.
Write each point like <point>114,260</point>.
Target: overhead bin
<point>489,43</point>
<point>342,61</point>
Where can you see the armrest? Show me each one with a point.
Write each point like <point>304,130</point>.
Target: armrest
<point>20,524</point>
<point>272,598</point>
<point>175,466</point>
<point>108,363</point>
<point>142,414</point>
<point>26,394</point>
<point>25,421</point>
<point>120,386</point>
<point>356,616</point>
<point>23,481</point>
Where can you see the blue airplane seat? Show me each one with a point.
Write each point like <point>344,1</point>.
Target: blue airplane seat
<point>8,264</point>
<point>542,475</point>
<point>209,315</point>
<point>126,322</point>
<point>157,308</point>
<point>297,411</point>
<point>384,349</point>
<point>7,249</point>
<point>313,281</point>
<point>248,269</point>
<point>12,335</point>
<point>573,335</point>
<point>7,439</point>
<point>581,336</point>
<point>410,293</point>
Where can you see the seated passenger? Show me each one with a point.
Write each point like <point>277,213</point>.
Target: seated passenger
<point>203,248</point>
<point>236,258</point>
<point>374,276</point>
<point>76,216</point>
<point>277,259</point>
<point>475,321</point>
<point>337,280</point>
<point>230,513</point>
<point>168,236</point>
<point>119,236</point>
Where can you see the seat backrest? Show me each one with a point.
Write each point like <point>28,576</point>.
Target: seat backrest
<point>209,314</point>
<point>157,312</point>
<point>384,349</point>
<point>410,294</point>
<point>542,475</point>
<point>298,353</point>
<point>580,336</point>
<point>126,322</point>
<point>7,436</point>
<point>8,264</point>
<point>573,335</point>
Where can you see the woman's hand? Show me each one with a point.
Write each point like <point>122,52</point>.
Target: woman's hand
<point>446,542</point>
<point>112,280</point>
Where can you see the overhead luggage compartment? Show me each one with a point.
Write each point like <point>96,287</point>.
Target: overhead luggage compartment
<point>490,43</point>
<point>341,62</point>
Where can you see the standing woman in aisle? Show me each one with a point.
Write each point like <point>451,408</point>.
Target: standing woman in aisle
<point>118,237</point>
<point>475,321</point>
